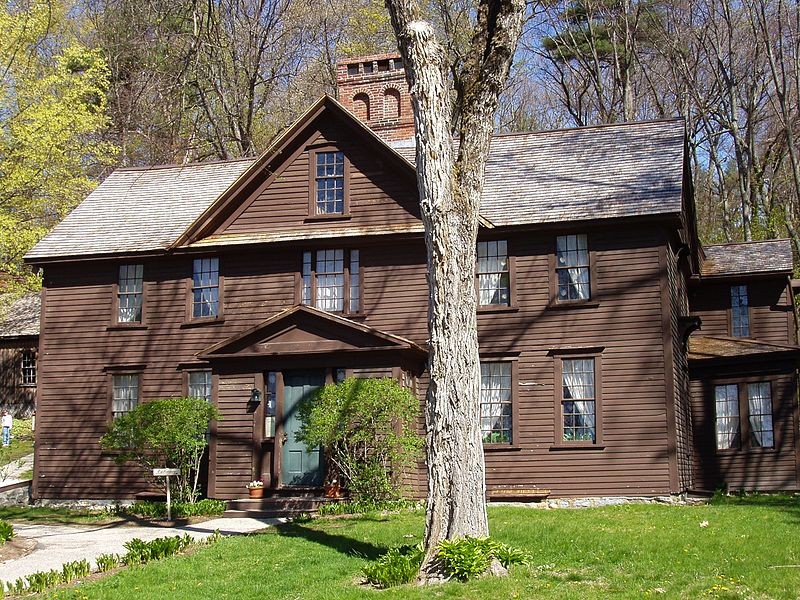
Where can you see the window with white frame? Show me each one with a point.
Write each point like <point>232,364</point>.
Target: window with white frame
<point>129,294</point>
<point>572,268</point>
<point>199,385</point>
<point>726,402</point>
<point>329,183</point>
<point>28,367</point>
<point>759,405</point>
<point>494,282</point>
<point>205,288</point>
<point>496,403</point>
<point>331,280</point>
<point>578,400</point>
<point>740,311</point>
<point>125,394</point>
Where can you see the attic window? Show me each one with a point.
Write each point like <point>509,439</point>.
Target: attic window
<point>352,69</point>
<point>328,190</point>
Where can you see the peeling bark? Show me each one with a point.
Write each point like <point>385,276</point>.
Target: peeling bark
<point>450,186</point>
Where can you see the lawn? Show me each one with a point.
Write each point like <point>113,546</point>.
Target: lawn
<point>21,443</point>
<point>748,549</point>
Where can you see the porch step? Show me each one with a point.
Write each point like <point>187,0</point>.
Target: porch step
<point>276,505</point>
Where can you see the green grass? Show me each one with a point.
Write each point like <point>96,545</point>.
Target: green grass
<point>642,551</point>
<point>21,442</point>
<point>65,516</point>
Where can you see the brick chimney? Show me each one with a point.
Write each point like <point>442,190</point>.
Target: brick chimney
<point>374,89</point>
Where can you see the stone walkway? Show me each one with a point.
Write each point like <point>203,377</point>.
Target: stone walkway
<point>59,544</point>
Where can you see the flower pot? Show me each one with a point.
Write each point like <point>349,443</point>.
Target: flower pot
<point>256,492</point>
<point>332,490</point>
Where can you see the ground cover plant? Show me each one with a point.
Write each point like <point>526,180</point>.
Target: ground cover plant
<point>6,531</point>
<point>728,550</point>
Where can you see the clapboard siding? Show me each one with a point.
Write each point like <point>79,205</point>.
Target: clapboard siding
<point>745,468</point>
<point>259,283</point>
<point>377,195</point>
<point>771,317</point>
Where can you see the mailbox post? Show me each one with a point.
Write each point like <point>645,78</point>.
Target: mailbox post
<point>166,473</point>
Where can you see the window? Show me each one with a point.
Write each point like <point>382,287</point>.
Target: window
<point>759,403</point>
<point>494,282</point>
<point>125,394</point>
<point>740,312</point>
<point>129,294</point>
<point>205,288</point>
<point>270,408</point>
<point>28,369</point>
<point>199,385</point>
<point>496,403</point>
<point>726,400</point>
<point>327,275</point>
<point>578,407</point>
<point>329,183</point>
<point>572,268</point>
<point>734,401</point>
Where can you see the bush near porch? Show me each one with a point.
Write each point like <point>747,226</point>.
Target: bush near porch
<point>747,549</point>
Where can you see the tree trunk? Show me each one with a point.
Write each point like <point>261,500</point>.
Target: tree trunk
<point>450,189</point>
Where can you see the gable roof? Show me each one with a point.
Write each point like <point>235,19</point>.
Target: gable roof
<point>319,332</point>
<point>768,256</point>
<point>588,173</point>
<point>21,318</point>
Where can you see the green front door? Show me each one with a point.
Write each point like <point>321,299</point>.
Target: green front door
<point>299,466</point>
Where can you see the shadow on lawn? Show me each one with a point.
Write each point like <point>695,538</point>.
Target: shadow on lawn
<point>783,501</point>
<point>340,543</point>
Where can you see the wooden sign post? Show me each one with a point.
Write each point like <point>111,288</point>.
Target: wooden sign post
<point>166,473</point>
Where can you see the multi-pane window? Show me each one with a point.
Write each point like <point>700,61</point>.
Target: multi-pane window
<point>270,408</point>
<point>493,273</point>
<point>495,398</point>
<point>125,394</point>
<point>578,406</point>
<point>205,288</point>
<point>28,367</point>
<point>572,268</point>
<point>332,280</point>
<point>740,311</point>
<point>129,294</point>
<point>726,400</point>
<point>199,385</point>
<point>329,183</point>
<point>759,404</point>
<point>733,402</point>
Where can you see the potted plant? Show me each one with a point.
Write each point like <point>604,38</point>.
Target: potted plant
<point>256,489</point>
<point>332,489</point>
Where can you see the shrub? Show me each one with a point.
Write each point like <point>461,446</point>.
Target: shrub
<point>467,558</point>
<point>170,432</point>
<point>366,428</point>
<point>397,567</point>
<point>6,531</point>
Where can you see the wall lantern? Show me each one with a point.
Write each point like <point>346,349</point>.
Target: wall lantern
<point>255,396</point>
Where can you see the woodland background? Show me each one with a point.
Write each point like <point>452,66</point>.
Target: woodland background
<point>90,85</point>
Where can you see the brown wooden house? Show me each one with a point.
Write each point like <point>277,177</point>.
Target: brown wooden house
<point>19,343</point>
<point>253,282</point>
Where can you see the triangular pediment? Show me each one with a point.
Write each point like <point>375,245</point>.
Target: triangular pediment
<point>273,198</point>
<point>307,330</point>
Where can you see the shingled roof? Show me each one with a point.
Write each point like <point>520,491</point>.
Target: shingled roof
<point>21,318</point>
<point>769,256</point>
<point>601,172</point>
<point>706,347</point>
<point>541,177</point>
<point>139,210</point>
